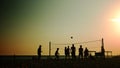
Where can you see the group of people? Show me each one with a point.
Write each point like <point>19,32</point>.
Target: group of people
<point>86,52</point>
<point>72,50</point>
<point>68,50</point>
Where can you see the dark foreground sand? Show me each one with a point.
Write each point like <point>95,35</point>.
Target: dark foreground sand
<point>61,63</point>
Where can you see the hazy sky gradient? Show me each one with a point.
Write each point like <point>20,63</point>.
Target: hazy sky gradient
<point>26,24</point>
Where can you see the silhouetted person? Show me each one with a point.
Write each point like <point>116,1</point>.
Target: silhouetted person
<point>65,50</point>
<point>80,52</point>
<point>57,54</point>
<point>73,51</point>
<point>102,51</point>
<point>68,52</point>
<point>39,52</point>
<point>86,54</point>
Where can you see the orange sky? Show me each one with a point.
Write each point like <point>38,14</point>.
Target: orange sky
<point>25,25</point>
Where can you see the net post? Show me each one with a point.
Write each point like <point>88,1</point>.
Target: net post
<point>49,48</point>
<point>102,42</point>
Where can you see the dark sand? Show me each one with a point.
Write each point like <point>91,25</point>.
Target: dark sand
<point>61,63</point>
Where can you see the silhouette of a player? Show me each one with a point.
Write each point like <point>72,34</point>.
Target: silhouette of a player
<point>86,54</point>
<point>80,52</point>
<point>102,52</point>
<point>57,54</point>
<point>73,51</point>
<point>39,52</point>
<point>65,50</point>
<point>68,52</point>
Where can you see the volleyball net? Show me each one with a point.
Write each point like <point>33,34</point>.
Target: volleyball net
<point>94,45</point>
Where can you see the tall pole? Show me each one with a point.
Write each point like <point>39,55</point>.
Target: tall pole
<point>102,48</point>
<point>49,49</point>
<point>102,42</point>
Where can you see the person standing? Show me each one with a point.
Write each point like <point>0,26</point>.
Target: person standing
<point>68,52</point>
<point>73,51</point>
<point>80,52</point>
<point>65,50</point>
<point>102,51</point>
<point>39,52</point>
<point>57,54</point>
<point>86,54</point>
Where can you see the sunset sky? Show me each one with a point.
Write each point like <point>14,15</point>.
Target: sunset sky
<point>25,24</point>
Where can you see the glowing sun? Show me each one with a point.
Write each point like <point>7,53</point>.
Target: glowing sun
<point>116,20</point>
<point>116,24</point>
